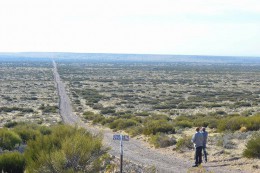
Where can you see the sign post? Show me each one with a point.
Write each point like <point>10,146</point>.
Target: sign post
<point>121,154</point>
<point>121,138</point>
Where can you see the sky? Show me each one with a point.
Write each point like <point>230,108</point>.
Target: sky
<point>189,27</point>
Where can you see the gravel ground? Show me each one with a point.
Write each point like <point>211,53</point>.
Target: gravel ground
<point>134,150</point>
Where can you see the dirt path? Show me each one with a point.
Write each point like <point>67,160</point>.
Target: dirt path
<point>134,150</point>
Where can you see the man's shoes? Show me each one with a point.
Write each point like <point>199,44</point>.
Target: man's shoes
<point>205,160</point>
<point>195,165</point>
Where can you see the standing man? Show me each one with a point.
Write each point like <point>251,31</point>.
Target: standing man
<point>205,138</point>
<point>197,140</point>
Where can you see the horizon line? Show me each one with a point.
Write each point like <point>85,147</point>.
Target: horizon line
<point>111,53</point>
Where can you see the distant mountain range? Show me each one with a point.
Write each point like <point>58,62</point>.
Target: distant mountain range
<point>106,57</point>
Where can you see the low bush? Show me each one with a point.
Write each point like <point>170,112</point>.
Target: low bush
<point>89,115</point>
<point>159,117</point>
<point>164,106</point>
<point>108,110</point>
<point>10,124</point>
<point>213,123</point>
<point>135,130</point>
<point>222,122</point>
<point>144,114</point>
<point>11,109</point>
<point>97,106</point>
<point>253,122</point>
<point>95,118</point>
<point>121,124</point>
<point>91,96</point>
<point>156,126</point>
<point>253,147</point>
<point>65,149</point>
<point>99,119</point>
<point>184,124</point>
<point>9,139</point>
<point>184,143</point>
<point>48,108</point>
<point>207,121</point>
<point>12,162</point>
<point>161,140</point>
<point>234,123</point>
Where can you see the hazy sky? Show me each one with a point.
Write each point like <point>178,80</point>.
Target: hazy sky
<point>208,27</point>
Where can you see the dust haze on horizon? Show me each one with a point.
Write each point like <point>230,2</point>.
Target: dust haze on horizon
<point>171,27</point>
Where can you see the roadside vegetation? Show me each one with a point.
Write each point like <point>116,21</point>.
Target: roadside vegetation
<point>161,129</point>
<point>59,148</point>
<point>160,123</point>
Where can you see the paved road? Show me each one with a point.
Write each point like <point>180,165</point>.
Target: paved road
<point>134,150</point>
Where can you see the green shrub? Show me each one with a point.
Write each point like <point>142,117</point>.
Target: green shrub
<point>95,118</point>
<point>121,124</point>
<point>184,143</point>
<point>27,131</point>
<point>161,140</point>
<point>221,112</point>
<point>253,147</point>
<point>48,108</point>
<point>89,115</point>
<point>8,139</point>
<point>213,123</point>
<point>155,126</point>
<point>12,162</point>
<point>253,122</point>
<point>184,118</point>
<point>235,122</point>
<point>207,121</point>
<point>134,131</point>
<point>10,109</point>
<point>183,124</point>
<point>144,114</point>
<point>10,124</point>
<point>164,106</point>
<point>45,130</point>
<point>99,119</point>
<point>96,106</point>
<point>65,149</point>
<point>242,104</point>
<point>159,117</point>
<point>108,110</point>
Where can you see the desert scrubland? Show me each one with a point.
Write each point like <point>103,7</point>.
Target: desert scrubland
<point>28,93</point>
<point>162,104</point>
<point>172,89</point>
<point>158,103</point>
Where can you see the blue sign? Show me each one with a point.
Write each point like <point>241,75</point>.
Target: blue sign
<point>118,137</point>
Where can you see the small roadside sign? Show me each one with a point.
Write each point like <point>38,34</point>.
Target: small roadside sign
<point>118,137</point>
<point>121,138</point>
